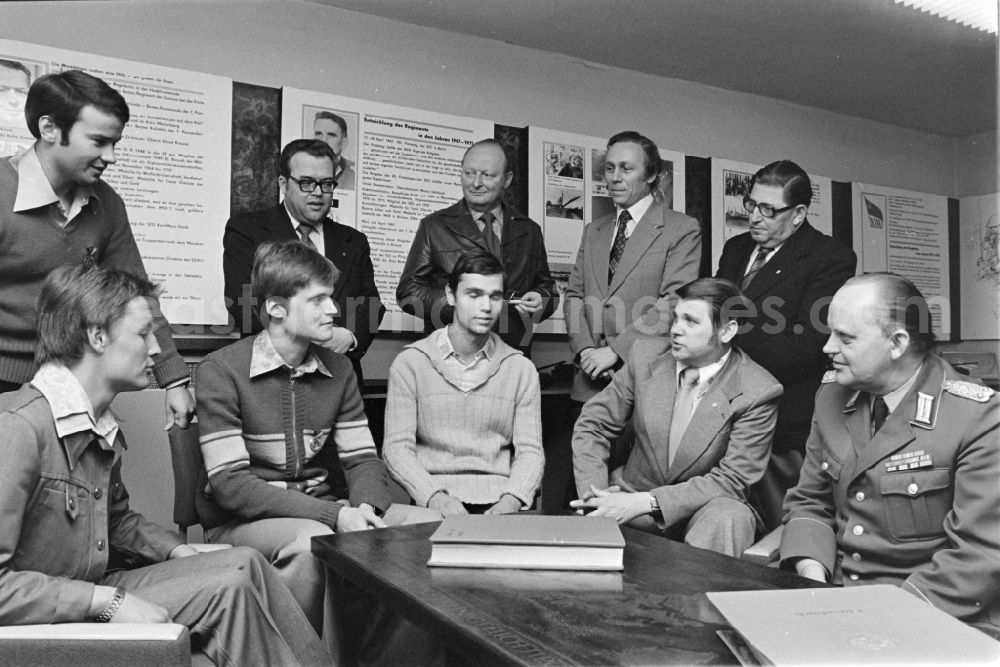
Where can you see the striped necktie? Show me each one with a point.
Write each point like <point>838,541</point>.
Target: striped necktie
<point>758,262</point>
<point>304,231</point>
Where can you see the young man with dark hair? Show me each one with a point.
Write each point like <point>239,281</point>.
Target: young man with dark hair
<point>463,416</point>
<point>899,484</point>
<point>66,515</point>
<point>56,210</point>
<point>282,423</point>
<point>306,179</point>
<point>703,415</point>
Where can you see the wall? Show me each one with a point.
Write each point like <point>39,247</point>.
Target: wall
<point>327,49</point>
<point>976,165</point>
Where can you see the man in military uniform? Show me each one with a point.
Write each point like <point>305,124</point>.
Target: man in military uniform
<point>899,483</point>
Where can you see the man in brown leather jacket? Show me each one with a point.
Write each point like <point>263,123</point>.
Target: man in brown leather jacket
<point>480,221</point>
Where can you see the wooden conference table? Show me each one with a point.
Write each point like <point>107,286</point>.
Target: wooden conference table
<point>655,612</point>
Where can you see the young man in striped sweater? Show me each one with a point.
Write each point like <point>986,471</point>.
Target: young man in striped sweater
<point>463,415</point>
<point>283,426</point>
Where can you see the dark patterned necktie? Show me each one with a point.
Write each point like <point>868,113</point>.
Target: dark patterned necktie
<point>758,262</point>
<point>304,231</point>
<point>488,236</point>
<point>880,412</point>
<point>618,247</point>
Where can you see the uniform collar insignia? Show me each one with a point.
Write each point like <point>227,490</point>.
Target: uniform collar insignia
<point>850,405</point>
<point>925,408</point>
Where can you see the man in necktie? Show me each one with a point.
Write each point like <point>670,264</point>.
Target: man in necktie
<point>703,414</point>
<point>628,267</point>
<point>913,501</point>
<point>481,221</point>
<point>307,182</point>
<point>789,270</point>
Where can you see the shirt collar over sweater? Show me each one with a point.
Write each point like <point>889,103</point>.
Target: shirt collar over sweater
<point>35,191</point>
<point>264,359</point>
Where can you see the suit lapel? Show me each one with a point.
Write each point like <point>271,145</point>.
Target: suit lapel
<point>646,231</point>
<point>337,248</point>
<point>600,250</point>
<point>278,225</point>
<point>658,403</point>
<point>711,415</point>
<point>782,264</point>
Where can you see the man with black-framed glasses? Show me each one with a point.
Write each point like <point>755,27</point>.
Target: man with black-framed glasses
<point>306,180</point>
<point>789,271</point>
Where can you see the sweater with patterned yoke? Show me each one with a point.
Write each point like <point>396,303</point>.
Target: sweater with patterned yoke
<point>281,442</point>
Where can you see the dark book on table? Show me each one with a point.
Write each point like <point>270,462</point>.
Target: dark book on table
<point>528,541</point>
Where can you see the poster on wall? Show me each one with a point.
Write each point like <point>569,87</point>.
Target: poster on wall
<point>906,233</point>
<point>172,168</point>
<point>566,191</point>
<point>403,164</point>
<point>731,183</point>
<point>979,267</point>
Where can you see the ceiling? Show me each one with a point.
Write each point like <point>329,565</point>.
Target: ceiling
<point>866,58</point>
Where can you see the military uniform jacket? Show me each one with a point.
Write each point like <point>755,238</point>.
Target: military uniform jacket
<point>918,505</point>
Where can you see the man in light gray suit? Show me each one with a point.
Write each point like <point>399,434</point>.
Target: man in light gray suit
<point>629,265</point>
<point>703,414</point>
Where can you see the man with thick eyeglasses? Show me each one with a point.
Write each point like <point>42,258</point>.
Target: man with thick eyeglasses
<point>306,180</point>
<point>789,271</point>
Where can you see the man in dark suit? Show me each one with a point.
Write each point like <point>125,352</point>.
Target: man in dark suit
<point>480,221</point>
<point>307,183</point>
<point>703,415</point>
<point>629,265</point>
<point>790,271</point>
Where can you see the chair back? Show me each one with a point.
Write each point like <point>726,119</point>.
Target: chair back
<point>189,473</point>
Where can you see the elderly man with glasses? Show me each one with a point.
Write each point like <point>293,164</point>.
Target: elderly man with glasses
<point>789,271</point>
<point>307,183</point>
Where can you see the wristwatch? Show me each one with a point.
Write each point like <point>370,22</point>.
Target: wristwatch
<point>654,504</point>
<point>116,601</point>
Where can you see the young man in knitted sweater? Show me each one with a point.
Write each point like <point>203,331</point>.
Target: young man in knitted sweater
<point>282,425</point>
<point>463,416</point>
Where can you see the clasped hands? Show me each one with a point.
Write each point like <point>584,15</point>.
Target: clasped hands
<point>622,506</point>
<point>598,362</point>
<point>448,505</point>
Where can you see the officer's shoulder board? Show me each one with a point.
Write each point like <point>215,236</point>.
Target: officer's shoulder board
<point>828,377</point>
<point>975,392</point>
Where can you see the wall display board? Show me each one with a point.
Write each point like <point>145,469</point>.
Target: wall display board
<point>731,182</point>
<point>406,165</point>
<point>906,233</point>
<point>172,171</point>
<point>979,267</point>
<point>566,191</point>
